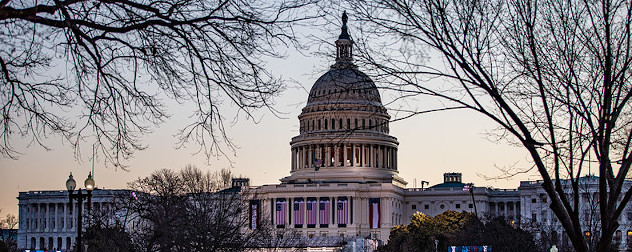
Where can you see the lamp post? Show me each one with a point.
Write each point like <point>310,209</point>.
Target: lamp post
<point>79,197</point>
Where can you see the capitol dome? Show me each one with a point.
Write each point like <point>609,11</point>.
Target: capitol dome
<point>344,128</point>
<point>344,85</point>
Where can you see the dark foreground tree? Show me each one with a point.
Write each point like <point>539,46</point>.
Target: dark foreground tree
<point>421,233</point>
<point>104,71</point>
<point>452,228</point>
<point>497,233</point>
<point>189,211</point>
<point>554,75</point>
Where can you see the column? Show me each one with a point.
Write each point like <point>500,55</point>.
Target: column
<point>344,155</point>
<point>293,159</point>
<point>395,159</point>
<point>361,156</point>
<point>326,157</point>
<point>305,157</point>
<point>310,156</point>
<point>380,157</point>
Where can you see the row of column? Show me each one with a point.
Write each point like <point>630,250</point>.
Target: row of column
<point>495,208</point>
<point>352,155</point>
<point>47,217</point>
<point>56,216</point>
<point>308,125</point>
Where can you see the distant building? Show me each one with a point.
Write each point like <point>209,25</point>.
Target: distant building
<point>538,217</point>
<point>46,221</point>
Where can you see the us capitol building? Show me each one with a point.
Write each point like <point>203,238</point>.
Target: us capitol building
<point>343,180</point>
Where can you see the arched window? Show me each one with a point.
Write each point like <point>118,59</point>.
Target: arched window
<point>326,126</point>
<point>59,245</point>
<point>68,243</point>
<point>33,243</point>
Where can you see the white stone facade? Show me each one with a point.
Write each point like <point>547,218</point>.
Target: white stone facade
<point>537,215</point>
<point>45,219</point>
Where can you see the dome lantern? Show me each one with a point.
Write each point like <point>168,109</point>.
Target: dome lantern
<point>344,46</point>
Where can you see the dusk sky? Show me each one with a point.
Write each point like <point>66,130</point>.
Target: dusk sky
<point>430,144</point>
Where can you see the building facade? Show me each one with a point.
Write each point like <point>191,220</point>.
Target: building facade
<point>344,172</point>
<point>47,221</point>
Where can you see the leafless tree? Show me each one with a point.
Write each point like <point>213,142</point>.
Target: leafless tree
<point>190,211</point>
<point>9,236</point>
<point>104,71</point>
<point>553,75</point>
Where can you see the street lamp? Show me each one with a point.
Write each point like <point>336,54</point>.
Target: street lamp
<point>79,197</point>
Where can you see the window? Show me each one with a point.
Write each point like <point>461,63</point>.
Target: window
<point>426,207</point>
<point>442,206</point>
<point>617,236</point>
<point>326,126</point>
<point>470,205</point>
<point>533,200</point>
<point>414,206</point>
<point>458,206</point>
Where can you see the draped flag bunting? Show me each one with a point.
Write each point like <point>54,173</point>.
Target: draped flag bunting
<point>312,208</point>
<point>299,212</point>
<point>342,206</point>
<point>254,214</point>
<point>281,212</point>
<point>324,212</point>
<point>374,212</point>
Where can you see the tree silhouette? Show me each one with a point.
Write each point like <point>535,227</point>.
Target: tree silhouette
<point>104,71</point>
<point>552,75</point>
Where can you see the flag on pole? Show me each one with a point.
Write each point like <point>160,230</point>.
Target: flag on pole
<point>299,212</point>
<point>324,212</point>
<point>342,206</point>
<point>312,208</point>
<point>281,212</point>
<point>374,212</point>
